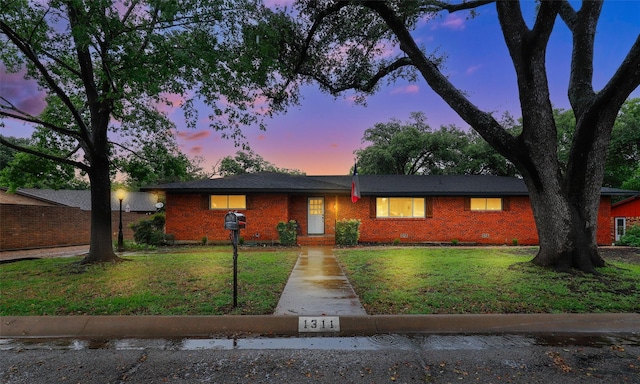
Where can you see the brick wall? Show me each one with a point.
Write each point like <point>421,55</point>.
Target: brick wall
<point>189,219</point>
<point>449,222</point>
<point>32,226</point>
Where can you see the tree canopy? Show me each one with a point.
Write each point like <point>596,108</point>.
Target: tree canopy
<point>413,148</point>
<point>406,147</point>
<point>356,45</point>
<point>108,70</point>
<point>248,162</point>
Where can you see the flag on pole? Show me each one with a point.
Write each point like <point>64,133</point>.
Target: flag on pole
<point>355,185</point>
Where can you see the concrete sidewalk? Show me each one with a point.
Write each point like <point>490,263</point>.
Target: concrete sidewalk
<point>318,286</point>
<point>42,253</point>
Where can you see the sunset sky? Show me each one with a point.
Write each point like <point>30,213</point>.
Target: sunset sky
<point>319,136</point>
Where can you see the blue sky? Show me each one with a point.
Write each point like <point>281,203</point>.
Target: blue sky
<point>320,135</point>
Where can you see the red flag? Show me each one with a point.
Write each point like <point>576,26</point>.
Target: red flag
<point>355,185</point>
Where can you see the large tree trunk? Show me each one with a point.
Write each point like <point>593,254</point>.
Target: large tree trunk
<point>101,246</point>
<point>567,231</point>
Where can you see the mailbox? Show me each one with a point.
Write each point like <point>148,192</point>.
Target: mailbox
<point>234,221</point>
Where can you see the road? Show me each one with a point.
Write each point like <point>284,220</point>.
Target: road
<point>376,359</point>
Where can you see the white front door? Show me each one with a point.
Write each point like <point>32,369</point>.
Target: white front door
<point>316,215</point>
<point>620,227</point>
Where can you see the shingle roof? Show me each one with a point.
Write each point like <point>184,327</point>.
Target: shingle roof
<point>379,185</point>
<point>137,201</point>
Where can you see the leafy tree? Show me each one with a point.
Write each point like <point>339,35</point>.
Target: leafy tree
<point>7,153</point>
<point>248,162</point>
<point>411,148</point>
<point>345,45</point>
<point>106,67</point>
<point>158,161</point>
<point>622,168</point>
<point>31,171</point>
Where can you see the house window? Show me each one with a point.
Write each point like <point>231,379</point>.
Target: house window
<point>400,207</point>
<point>228,202</point>
<point>486,204</point>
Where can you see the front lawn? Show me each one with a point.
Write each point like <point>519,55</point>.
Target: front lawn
<point>388,280</point>
<point>194,281</point>
<point>482,280</point>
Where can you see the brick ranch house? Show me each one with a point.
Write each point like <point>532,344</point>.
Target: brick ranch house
<point>625,214</point>
<point>474,209</point>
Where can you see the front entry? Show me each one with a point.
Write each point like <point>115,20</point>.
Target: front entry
<point>315,216</point>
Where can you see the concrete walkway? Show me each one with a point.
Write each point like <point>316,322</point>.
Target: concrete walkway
<point>42,253</point>
<point>317,286</point>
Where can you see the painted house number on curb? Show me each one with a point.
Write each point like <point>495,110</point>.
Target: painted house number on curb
<point>319,324</point>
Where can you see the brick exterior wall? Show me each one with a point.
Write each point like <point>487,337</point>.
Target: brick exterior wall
<point>33,226</point>
<point>629,209</point>
<point>190,219</point>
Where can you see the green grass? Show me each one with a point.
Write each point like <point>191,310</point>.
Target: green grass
<point>197,281</point>
<point>482,280</point>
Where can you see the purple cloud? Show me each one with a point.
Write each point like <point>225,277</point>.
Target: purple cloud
<point>22,93</point>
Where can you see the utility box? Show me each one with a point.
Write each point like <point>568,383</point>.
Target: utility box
<point>234,221</point>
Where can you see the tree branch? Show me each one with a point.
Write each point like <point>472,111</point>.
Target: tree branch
<point>580,90</point>
<point>568,15</point>
<point>366,86</point>
<point>23,116</point>
<point>33,58</point>
<point>481,121</point>
<point>47,156</point>
<point>625,80</point>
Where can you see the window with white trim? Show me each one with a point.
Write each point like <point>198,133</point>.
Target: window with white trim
<point>486,204</point>
<point>228,202</point>
<point>405,207</point>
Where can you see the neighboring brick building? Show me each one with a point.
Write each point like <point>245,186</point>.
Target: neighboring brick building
<point>625,214</point>
<point>409,209</point>
<point>38,218</point>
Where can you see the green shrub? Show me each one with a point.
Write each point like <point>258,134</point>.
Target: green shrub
<point>150,231</point>
<point>631,238</point>
<point>132,246</point>
<point>287,232</point>
<point>347,232</point>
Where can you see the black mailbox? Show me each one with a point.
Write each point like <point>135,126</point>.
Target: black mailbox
<point>234,221</point>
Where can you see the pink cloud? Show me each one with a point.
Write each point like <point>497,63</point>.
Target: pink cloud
<point>473,68</point>
<point>411,88</point>
<point>451,21</point>
<point>170,103</point>
<point>199,135</point>
<point>262,137</point>
<point>196,150</point>
<point>335,145</point>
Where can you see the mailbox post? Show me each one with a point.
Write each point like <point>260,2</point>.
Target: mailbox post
<point>235,221</point>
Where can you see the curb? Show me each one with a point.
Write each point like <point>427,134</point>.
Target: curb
<point>156,327</point>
